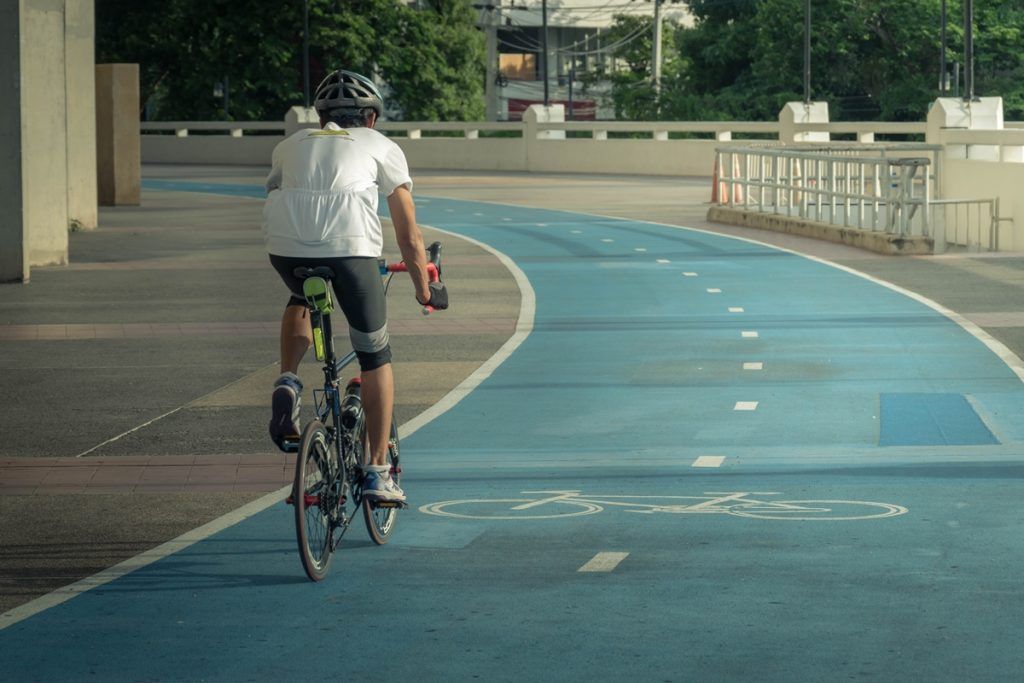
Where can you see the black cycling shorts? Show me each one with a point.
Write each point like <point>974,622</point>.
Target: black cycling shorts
<point>359,291</point>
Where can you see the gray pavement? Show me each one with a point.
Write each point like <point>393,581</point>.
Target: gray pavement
<point>196,261</point>
<point>167,317</point>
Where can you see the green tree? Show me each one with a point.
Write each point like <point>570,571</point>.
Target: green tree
<point>431,58</point>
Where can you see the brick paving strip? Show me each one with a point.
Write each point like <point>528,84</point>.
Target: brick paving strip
<point>146,474</point>
<point>396,326</point>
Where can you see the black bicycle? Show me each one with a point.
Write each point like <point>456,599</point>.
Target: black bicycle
<point>328,489</point>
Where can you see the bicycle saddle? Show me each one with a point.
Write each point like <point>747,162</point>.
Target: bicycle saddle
<point>303,272</point>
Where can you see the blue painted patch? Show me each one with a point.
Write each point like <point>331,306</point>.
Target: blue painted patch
<point>931,420</point>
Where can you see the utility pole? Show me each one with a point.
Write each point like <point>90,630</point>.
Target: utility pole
<point>305,51</point>
<point>943,76</point>
<point>490,88</point>
<point>969,95</point>
<point>544,49</point>
<point>656,58</point>
<point>807,51</point>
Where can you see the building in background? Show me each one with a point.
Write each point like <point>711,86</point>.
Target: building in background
<point>576,50</point>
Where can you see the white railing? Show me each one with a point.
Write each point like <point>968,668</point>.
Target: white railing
<point>890,189</point>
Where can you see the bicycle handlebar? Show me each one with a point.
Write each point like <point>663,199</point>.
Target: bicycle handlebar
<point>433,269</point>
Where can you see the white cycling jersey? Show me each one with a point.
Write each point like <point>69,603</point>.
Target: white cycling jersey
<point>322,192</point>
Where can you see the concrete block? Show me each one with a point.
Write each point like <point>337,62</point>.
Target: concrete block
<point>954,112</point>
<point>796,113</point>
<point>118,155</point>
<point>298,118</point>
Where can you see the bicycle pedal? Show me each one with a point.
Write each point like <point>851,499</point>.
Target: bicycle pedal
<point>290,445</point>
<point>401,505</point>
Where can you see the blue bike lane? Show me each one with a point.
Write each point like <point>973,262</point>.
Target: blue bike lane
<point>665,367</point>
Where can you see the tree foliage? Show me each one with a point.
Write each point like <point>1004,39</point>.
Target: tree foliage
<point>871,59</point>
<point>430,57</point>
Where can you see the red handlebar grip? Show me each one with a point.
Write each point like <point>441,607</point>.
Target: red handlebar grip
<point>400,267</point>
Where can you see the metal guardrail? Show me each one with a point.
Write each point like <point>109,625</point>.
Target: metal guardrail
<point>875,188</point>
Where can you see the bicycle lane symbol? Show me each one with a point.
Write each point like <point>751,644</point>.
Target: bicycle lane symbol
<point>559,504</point>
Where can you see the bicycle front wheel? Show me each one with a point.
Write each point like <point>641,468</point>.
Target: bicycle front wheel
<point>315,499</point>
<point>382,517</point>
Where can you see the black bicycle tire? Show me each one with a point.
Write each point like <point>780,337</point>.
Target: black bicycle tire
<point>381,521</point>
<point>315,566</point>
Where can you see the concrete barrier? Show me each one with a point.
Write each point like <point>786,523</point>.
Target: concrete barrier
<point>881,242</point>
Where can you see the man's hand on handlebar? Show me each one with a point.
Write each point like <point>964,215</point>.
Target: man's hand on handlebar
<point>438,296</point>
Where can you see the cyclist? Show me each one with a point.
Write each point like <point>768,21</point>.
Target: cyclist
<point>321,210</point>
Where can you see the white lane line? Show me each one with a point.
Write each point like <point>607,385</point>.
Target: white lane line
<point>524,326</point>
<point>576,232</point>
<point>753,366</point>
<point>607,240</point>
<point>54,598</point>
<point>603,562</point>
<point>542,225</point>
<point>663,260</point>
<point>506,219</point>
<point>478,214</point>
<point>745,405</point>
<point>714,290</point>
<point>749,334</point>
<point>689,274</point>
<point>709,461</point>
<point>449,210</point>
<point>639,249</point>
<point>735,309</point>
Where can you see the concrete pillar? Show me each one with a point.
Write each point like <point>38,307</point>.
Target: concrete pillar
<point>952,112</point>
<point>298,118</point>
<point>80,58</point>
<point>14,266</point>
<point>796,113</point>
<point>533,138</point>
<point>118,144</point>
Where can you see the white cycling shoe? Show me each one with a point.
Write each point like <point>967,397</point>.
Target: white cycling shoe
<point>382,486</point>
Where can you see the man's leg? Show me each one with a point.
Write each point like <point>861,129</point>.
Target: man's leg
<point>296,336</point>
<point>378,403</point>
<point>286,400</point>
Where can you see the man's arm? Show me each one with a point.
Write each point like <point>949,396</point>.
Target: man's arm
<point>410,240</point>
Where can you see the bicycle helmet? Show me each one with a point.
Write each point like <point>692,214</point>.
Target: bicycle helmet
<point>347,90</point>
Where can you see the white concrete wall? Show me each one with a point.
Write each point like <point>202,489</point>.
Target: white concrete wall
<point>209,149</point>
<point>44,132</point>
<point>966,179</point>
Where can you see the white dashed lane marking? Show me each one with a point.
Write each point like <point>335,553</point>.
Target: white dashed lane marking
<point>639,249</point>
<point>753,366</point>
<point>663,261</point>
<point>576,232</point>
<point>714,290</point>
<point>735,309</point>
<point>689,274</point>
<point>749,334</point>
<point>745,405</point>
<point>607,240</point>
<point>709,461</point>
<point>603,562</point>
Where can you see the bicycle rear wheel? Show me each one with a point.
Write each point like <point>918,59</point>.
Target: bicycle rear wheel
<point>382,517</point>
<point>314,499</point>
